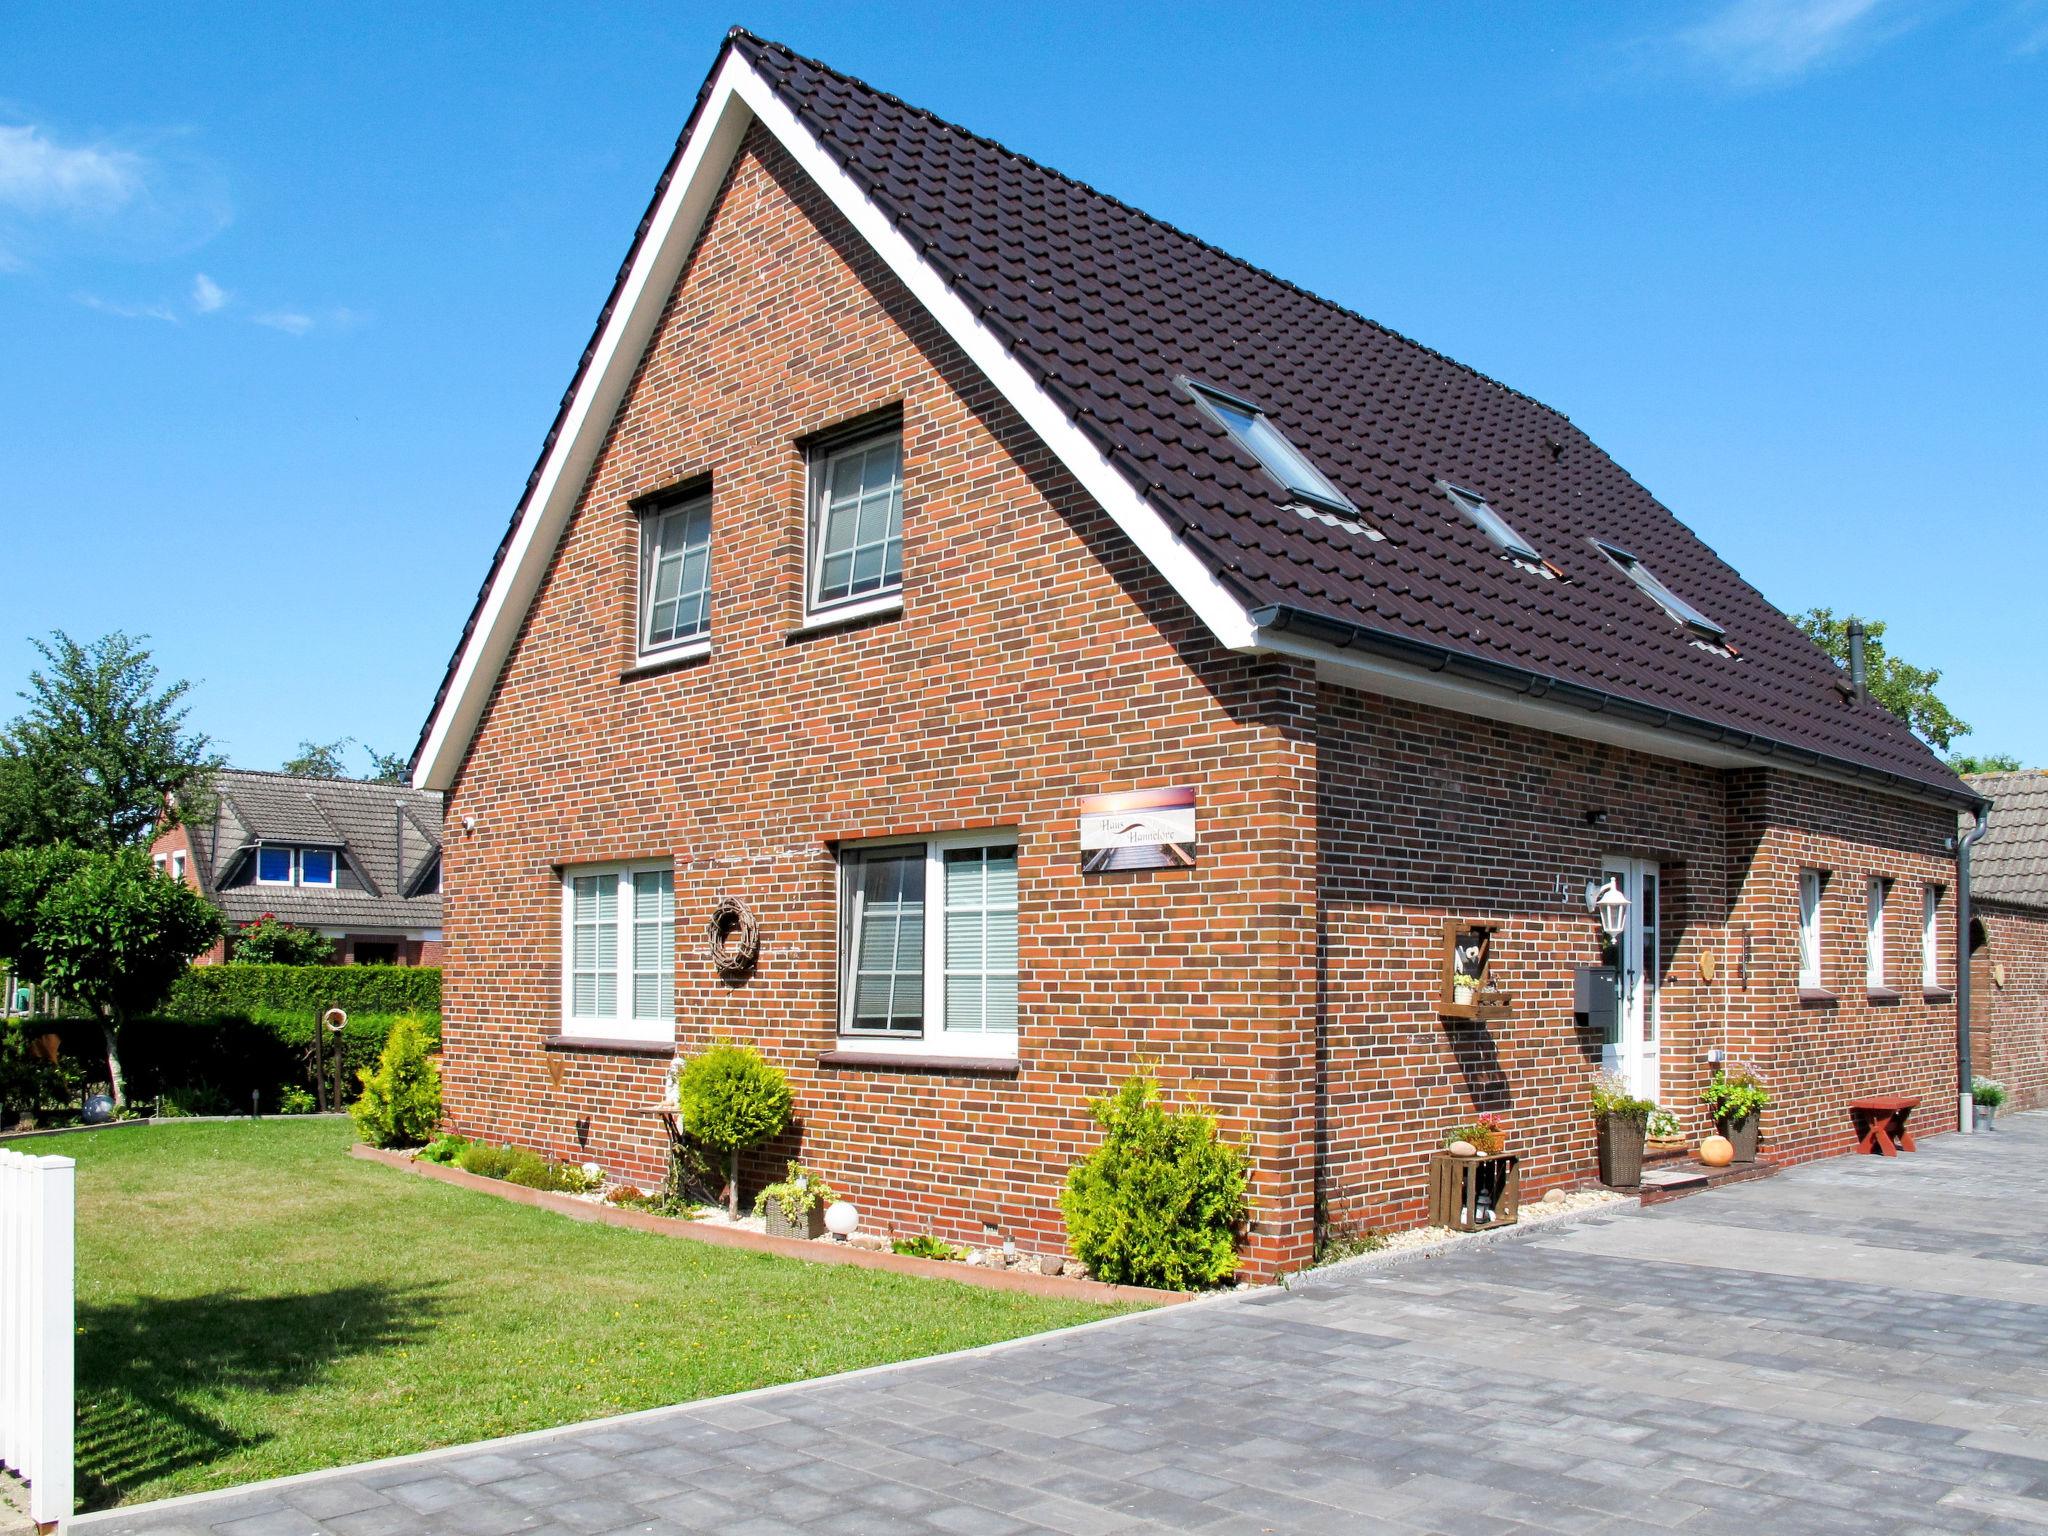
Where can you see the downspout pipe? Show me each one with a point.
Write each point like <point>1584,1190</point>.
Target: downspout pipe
<point>1966,1103</point>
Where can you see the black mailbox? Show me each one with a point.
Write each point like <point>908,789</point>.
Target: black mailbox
<point>1596,999</point>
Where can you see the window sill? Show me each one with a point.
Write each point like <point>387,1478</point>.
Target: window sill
<point>662,661</point>
<point>604,1045</point>
<point>888,605</point>
<point>1936,995</point>
<point>1881,994</point>
<point>905,1061</point>
<point>1818,996</point>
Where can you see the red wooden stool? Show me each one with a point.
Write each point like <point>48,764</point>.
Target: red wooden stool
<point>1881,1125</point>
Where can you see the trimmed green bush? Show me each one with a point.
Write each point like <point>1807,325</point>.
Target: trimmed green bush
<point>213,991</point>
<point>732,1099</point>
<point>484,1160</point>
<point>401,1102</point>
<point>1158,1203</point>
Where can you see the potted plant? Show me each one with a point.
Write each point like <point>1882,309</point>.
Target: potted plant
<point>1486,1134</point>
<point>1664,1131</point>
<point>1620,1118</point>
<point>795,1207</point>
<point>1464,988</point>
<point>1737,1105</point>
<point>1987,1096</point>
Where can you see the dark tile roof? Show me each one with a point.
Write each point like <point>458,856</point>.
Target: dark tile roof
<point>2011,863</point>
<point>1107,307</point>
<point>390,835</point>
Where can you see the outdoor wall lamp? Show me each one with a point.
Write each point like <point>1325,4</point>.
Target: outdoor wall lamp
<point>1604,899</point>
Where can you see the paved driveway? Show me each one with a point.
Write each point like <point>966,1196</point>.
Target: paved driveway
<point>1859,1346</point>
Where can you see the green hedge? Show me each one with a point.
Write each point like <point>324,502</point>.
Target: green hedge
<point>213,991</point>
<point>211,1065</point>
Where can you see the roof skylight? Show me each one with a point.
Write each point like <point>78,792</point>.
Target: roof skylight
<point>1257,435</point>
<point>1491,523</point>
<point>1679,609</point>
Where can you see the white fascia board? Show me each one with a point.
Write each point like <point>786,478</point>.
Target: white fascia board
<point>673,231</point>
<point>1226,617</point>
<point>1367,674</point>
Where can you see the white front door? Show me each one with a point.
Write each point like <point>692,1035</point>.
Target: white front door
<point>1638,961</point>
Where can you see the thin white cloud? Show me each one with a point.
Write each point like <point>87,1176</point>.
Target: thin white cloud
<point>1760,43</point>
<point>207,295</point>
<point>291,321</point>
<point>129,311</point>
<point>39,175</point>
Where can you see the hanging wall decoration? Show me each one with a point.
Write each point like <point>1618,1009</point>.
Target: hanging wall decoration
<point>732,937</point>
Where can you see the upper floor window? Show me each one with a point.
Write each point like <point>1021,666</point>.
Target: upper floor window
<point>282,865</point>
<point>1810,882</point>
<point>316,866</point>
<point>274,865</point>
<point>1489,522</point>
<point>1698,623</point>
<point>1255,433</point>
<point>856,527</point>
<point>178,864</point>
<point>675,573</point>
<point>157,862</point>
<point>1875,893</point>
<point>619,951</point>
<point>928,944</point>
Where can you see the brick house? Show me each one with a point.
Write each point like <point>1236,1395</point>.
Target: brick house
<point>1080,649</point>
<point>2009,937</point>
<point>359,862</point>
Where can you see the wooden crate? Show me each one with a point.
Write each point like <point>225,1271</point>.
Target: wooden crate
<point>1468,1194</point>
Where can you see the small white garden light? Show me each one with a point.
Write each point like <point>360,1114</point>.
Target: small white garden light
<point>841,1219</point>
<point>1607,902</point>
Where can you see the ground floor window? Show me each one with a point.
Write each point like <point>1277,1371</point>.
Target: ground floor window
<point>928,944</point>
<point>619,951</point>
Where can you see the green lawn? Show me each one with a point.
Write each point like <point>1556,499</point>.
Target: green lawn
<point>252,1301</point>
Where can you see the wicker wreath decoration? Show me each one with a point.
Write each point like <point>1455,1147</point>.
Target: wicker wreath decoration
<point>732,937</point>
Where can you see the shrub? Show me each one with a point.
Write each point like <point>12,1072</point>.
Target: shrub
<point>731,1099</point>
<point>925,1246</point>
<point>294,1100</point>
<point>401,1102</point>
<point>1734,1098</point>
<point>267,941</point>
<point>1612,1100</point>
<point>1158,1203</point>
<point>484,1160</point>
<point>214,991</point>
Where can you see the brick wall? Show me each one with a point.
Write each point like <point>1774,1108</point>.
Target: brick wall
<point>2009,1002</point>
<point>1037,659</point>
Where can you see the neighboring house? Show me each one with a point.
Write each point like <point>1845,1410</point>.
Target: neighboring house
<point>359,862</point>
<point>1083,651</point>
<point>2009,937</point>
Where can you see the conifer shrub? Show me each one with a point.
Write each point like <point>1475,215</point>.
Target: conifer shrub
<point>730,1099</point>
<point>1159,1202</point>
<point>401,1102</point>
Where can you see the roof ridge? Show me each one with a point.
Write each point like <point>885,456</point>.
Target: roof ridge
<point>320,778</point>
<point>1151,218</point>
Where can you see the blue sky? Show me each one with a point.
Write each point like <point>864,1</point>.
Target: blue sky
<point>287,299</point>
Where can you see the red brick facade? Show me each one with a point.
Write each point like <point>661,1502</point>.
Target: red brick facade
<point>1287,980</point>
<point>2009,1001</point>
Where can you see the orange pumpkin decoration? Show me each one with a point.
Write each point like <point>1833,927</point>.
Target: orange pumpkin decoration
<point>1716,1151</point>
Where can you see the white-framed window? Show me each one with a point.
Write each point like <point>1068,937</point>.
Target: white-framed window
<point>1930,938</point>
<point>178,864</point>
<point>1810,884</point>
<point>619,951</point>
<point>274,865</point>
<point>157,862</point>
<point>856,522</point>
<point>1482,515</point>
<point>928,944</point>
<point>675,574</point>
<point>1875,890</point>
<point>316,866</point>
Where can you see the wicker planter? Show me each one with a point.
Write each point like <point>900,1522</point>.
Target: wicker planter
<point>1621,1152</point>
<point>1742,1134</point>
<point>811,1224</point>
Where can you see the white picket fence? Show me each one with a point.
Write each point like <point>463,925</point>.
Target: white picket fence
<point>36,1322</point>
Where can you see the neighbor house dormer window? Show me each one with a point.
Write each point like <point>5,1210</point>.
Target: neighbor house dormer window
<point>675,573</point>
<point>1697,623</point>
<point>856,522</point>
<point>1481,514</point>
<point>1254,432</point>
<point>274,866</point>
<point>316,866</point>
<point>278,864</point>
